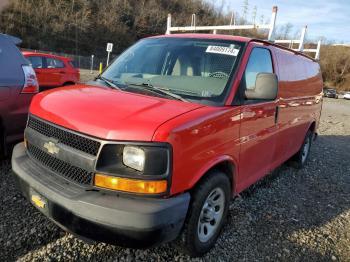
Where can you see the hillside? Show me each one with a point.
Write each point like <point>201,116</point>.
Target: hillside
<point>335,64</point>
<point>83,27</point>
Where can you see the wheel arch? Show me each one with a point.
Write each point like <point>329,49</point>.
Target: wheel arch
<point>225,164</point>
<point>67,83</point>
<point>312,126</point>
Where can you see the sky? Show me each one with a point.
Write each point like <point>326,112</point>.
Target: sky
<point>324,18</point>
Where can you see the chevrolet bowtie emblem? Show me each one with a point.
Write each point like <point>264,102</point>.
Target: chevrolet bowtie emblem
<point>51,148</point>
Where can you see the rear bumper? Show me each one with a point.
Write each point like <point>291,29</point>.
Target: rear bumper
<point>96,215</point>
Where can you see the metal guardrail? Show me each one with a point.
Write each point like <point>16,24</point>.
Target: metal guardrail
<point>83,62</point>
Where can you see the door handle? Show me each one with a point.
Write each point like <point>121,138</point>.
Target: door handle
<point>277,112</point>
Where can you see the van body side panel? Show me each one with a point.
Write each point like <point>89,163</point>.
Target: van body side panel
<point>300,88</point>
<point>200,139</point>
<point>258,136</point>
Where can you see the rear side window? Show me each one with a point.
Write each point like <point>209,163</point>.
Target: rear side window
<point>72,64</point>
<point>54,63</point>
<point>259,62</point>
<point>36,61</point>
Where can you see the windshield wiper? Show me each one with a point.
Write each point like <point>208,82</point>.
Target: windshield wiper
<point>108,82</point>
<point>156,89</point>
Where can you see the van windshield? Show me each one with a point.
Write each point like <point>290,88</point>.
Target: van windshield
<point>196,70</point>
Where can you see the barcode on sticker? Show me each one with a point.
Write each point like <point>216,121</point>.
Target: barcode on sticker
<point>222,50</point>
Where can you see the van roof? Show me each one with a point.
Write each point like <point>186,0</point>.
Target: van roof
<point>232,38</point>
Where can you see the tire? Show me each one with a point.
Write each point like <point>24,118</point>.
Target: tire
<point>204,220</point>
<point>300,159</point>
<point>2,145</point>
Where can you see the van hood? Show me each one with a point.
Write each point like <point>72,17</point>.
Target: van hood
<point>107,113</point>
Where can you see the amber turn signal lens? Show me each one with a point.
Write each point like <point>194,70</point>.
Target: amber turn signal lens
<point>131,185</point>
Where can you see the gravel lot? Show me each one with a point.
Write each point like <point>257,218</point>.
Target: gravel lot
<point>86,75</point>
<point>288,216</point>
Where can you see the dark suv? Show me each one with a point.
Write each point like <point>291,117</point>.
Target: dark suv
<point>330,92</point>
<point>18,84</point>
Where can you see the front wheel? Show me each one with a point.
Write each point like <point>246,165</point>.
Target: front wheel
<point>207,213</point>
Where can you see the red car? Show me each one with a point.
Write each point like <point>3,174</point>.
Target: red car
<point>53,71</point>
<point>158,145</point>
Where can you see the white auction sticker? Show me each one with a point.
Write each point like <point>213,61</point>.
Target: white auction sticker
<point>222,50</point>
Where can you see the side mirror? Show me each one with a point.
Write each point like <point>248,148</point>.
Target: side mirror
<point>266,87</point>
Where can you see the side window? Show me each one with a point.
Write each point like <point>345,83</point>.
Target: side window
<point>72,64</point>
<point>36,61</point>
<point>54,63</point>
<point>259,62</point>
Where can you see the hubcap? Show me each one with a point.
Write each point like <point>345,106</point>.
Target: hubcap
<point>211,214</point>
<point>306,149</point>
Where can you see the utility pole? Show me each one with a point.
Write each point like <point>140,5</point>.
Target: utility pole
<point>255,10</point>
<point>232,16</point>
<point>245,10</point>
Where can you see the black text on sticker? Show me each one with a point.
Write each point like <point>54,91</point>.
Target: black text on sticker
<point>222,50</point>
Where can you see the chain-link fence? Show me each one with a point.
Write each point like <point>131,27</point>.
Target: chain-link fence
<point>83,62</point>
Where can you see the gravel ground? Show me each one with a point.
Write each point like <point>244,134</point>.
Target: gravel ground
<point>86,75</point>
<point>288,216</point>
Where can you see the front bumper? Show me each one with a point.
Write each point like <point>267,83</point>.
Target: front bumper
<point>97,215</point>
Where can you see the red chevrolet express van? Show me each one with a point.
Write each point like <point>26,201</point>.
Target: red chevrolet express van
<point>158,144</point>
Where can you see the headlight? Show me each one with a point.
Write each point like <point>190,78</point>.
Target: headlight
<point>134,157</point>
<point>151,160</point>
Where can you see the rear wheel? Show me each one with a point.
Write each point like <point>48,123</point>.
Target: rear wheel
<point>207,213</point>
<point>300,158</point>
<point>2,144</point>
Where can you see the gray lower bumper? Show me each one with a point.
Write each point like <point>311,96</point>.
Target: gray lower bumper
<point>97,215</point>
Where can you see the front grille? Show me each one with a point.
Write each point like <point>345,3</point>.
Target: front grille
<point>60,167</point>
<point>65,137</point>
